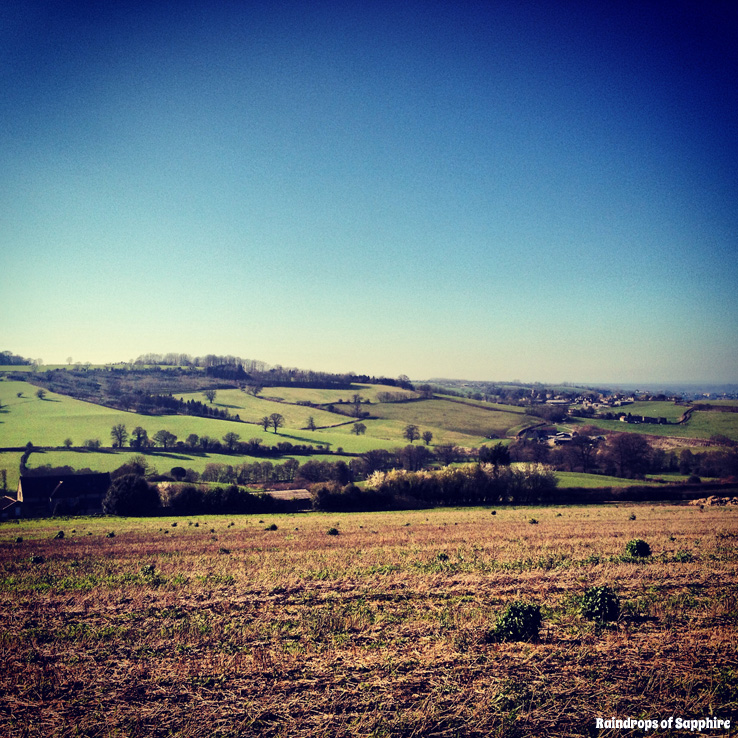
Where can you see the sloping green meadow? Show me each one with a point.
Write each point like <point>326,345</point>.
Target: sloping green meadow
<point>49,421</point>
<point>702,424</point>
<point>108,461</point>
<point>253,409</point>
<point>668,410</point>
<point>453,416</point>
<point>322,396</point>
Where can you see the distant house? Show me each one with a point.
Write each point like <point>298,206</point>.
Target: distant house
<point>62,494</point>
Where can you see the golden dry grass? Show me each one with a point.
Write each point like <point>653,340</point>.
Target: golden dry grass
<point>229,629</point>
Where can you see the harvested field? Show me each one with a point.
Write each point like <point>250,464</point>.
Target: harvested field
<point>245,626</point>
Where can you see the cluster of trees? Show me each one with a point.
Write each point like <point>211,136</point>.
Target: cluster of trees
<point>475,484</point>
<point>260,472</point>
<point>231,442</point>
<point>628,455</point>
<point>8,358</point>
<point>192,500</point>
<point>412,433</point>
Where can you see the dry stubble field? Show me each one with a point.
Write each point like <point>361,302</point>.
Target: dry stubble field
<point>220,627</point>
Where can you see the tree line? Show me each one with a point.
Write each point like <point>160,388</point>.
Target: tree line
<point>474,484</point>
<point>628,455</point>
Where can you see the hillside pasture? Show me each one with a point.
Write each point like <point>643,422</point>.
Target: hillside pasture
<point>266,625</point>
<point>252,409</point>
<point>669,410</point>
<point>703,424</point>
<point>452,416</point>
<point>593,481</point>
<point>50,421</point>
<point>162,461</point>
<point>331,396</point>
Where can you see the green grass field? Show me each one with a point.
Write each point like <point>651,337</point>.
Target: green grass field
<point>702,424</point>
<point>253,409</point>
<point>460,418</point>
<point>667,410</point>
<point>592,481</point>
<point>50,421</point>
<point>324,396</point>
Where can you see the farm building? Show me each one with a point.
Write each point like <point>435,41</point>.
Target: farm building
<point>65,494</point>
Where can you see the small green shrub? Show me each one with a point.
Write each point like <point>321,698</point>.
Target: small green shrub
<point>683,557</point>
<point>632,516</point>
<point>600,603</point>
<point>110,534</point>
<point>59,536</point>
<point>533,521</point>
<point>637,547</point>
<point>519,621</point>
<point>19,539</point>
<point>332,532</point>
<point>148,570</point>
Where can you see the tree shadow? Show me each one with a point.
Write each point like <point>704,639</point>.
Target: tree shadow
<point>302,439</point>
<point>169,455</point>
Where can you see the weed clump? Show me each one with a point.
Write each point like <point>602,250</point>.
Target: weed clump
<point>533,521</point>
<point>601,604</point>
<point>273,526</point>
<point>519,621</point>
<point>59,536</point>
<point>110,534</point>
<point>19,539</point>
<point>332,532</point>
<point>632,516</point>
<point>37,559</point>
<point>637,547</point>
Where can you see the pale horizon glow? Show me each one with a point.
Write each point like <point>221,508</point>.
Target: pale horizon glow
<point>486,191</point>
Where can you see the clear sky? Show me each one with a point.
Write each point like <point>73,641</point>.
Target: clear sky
<point>540,190</point>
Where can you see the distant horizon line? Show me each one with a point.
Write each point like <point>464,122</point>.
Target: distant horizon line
<point>651,385</point>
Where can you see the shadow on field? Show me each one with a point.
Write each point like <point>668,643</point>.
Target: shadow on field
<point>303,439</point>
<point>167,455</point>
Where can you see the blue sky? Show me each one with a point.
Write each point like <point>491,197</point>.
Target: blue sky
<point>504,190</point>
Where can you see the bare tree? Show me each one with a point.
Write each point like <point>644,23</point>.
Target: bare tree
<point>119,434</point>
<point>210,395</point>
<point>276,420</point>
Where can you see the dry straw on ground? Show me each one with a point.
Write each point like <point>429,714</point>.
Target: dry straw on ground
<point>229,629</point>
